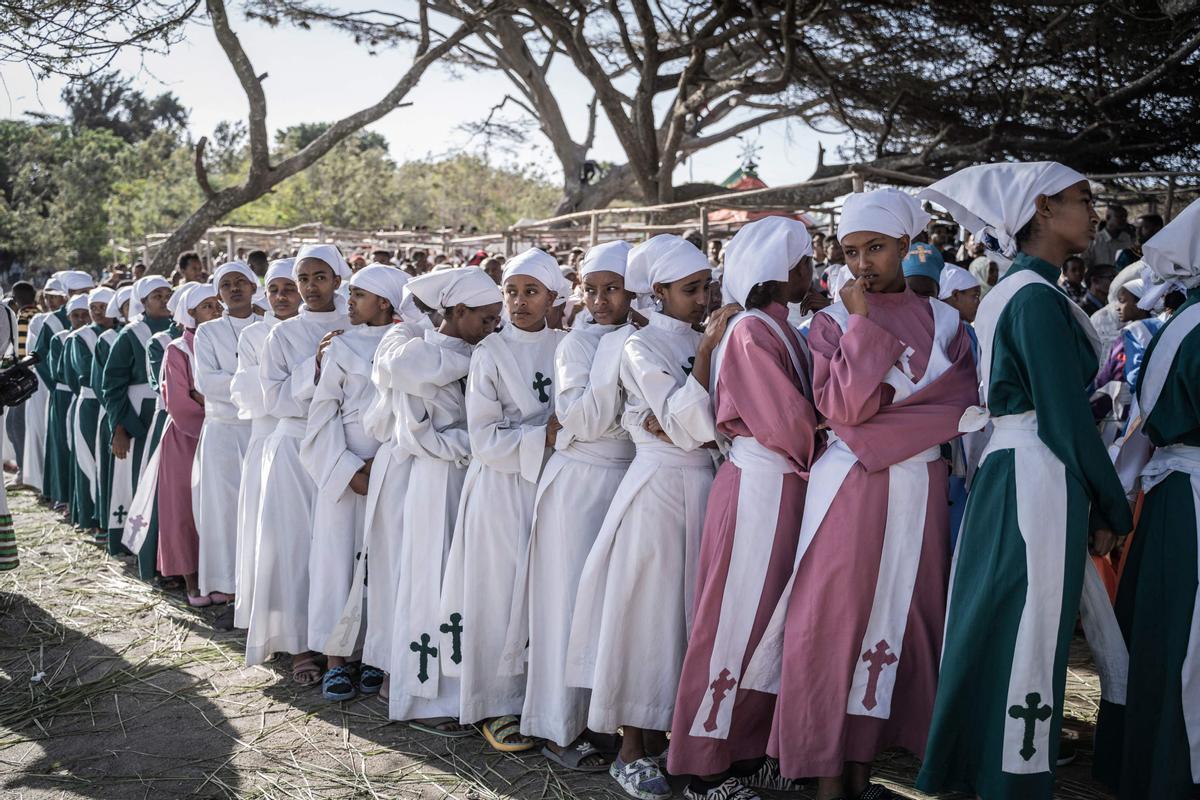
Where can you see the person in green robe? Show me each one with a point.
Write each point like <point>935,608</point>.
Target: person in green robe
<point>45,371</point>
<point>129,405</point>
<point>117,310</point>
<point>1044,494</point>
<point>80,349</point>
<point>1149,747</point>
<point>60,456</point>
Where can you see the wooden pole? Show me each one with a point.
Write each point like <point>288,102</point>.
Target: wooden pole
<point>1170,199</point>
<point>594,231</point>
<point>704,228</point>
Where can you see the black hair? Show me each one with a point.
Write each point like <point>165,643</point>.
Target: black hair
<point>1025,235</point>
<point>24,293</point>
<point>762,294</point>
<point>1153,219</point>
<point>259,256</point>
<point>1174,300</point>
<point>186,258</point>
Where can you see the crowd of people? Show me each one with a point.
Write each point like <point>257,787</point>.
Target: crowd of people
<point>751,516</point>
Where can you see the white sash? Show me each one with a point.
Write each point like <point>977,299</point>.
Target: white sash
<point>85,456</point>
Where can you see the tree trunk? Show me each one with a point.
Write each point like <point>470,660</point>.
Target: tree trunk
<point>186,236</point>
<point>615,184</point>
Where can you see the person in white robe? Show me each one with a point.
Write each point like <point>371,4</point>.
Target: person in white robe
<point>592,452</point>
<point>289,370</point>
<point>221,452</point>
<point>338,451</point>
<point>427,378</point>
<point>634,604</point>
<point>54,297</point>
<point>245,391</point>
<point>510,421</point>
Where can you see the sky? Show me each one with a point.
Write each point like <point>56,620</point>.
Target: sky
<point>320,75</point>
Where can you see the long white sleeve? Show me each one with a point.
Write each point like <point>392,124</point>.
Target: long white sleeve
<point>684,412</point>
<point>496,441</point>
<point>323,451</point>
<point>245,388</point>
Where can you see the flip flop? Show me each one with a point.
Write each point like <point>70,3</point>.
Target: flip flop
<point>435,728</point>
<point>305,670</point>
<point>199,600</point>
<point>572,757</point>
<point>499,729</point>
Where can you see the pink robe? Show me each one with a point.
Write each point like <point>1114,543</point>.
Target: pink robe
<point>178,542</point>
<point>830,605</point>
<point>759,395</point>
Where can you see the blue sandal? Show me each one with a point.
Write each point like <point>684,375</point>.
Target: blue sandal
<point>338,684</point>
<point>370,679</point>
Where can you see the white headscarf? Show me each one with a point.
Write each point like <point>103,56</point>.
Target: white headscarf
<point>444,289</point>
<point>764,250</point>
<point>233,266</point>
<point>118,299</point>
<point>662,259</point>
<point>189,298</point>
<point>1136,287</point>
<point>607,257</point>
<point>955,279</point>
<point>283,268</point>
<point>327,253</point>
<point>101,294</point>
<point>142,288</point>
<point>54,286</point>
<point>537,264</point>
<point>1172,257</point>
<point>74,280</point>
<point>888,211</point>
<point>994,201</point>
<point>77,303</point>
<point>387,282</point>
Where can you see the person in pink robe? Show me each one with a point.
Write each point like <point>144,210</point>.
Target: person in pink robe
<point>178,541</point>
<point>764,405</point>
<point>843,699</point>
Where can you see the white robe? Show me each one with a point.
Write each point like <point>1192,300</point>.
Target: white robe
<point>510,396</point>
<point>220,453</point>
<point>592,452</point>
<point>428,377</point>
<point>37,406</point>
<point>634,605</point>
<point>335,447</point>
<point>279,608</point>
<point>245,390</point>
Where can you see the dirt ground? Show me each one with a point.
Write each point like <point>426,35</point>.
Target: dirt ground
<point>110,688</point>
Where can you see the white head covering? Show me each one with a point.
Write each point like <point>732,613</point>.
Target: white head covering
<point>387,282</point>
<point>178,295</point>
<point>233,266</point>
<point>444,289</point>
<point>54,285</point>
<point>764,250</point>
<point>102,294</point>
<point>74,280</point>
<point>327,253</point>
<point>536,264</point>
<point>838,276</point>
<point>260,298</point>
<point>189,298</point>
<point>1136,287</point>
<point>142,288</point>
<point>607,257</point>
<point>994,201</point>
<point>888,211</point>
<point>118,299</point>
<point>1172,257</point>
<point>1127,274</point>
<point>283,268</point>
<point>662,259</point>
<point>955,279</point>
<point>77,303</point>
<point>563,292</point>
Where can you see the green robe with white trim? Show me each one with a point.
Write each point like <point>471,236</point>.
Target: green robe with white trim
<point>104,434</point>
<point>1142,747</point>
<point>125,366</point>
<point>79,375</point>
<point>1042,361</point>
<point>56,473</point>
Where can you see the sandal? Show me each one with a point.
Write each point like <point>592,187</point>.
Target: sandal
<point>199,600</point>
<point>305,670</point>
<point>220,598</point>
<point>168,584</point>
<point>642,778</point>
<point>729,789</point>
<point>370,679</point>
<point>504,734</point>
<point>875,791</point>
<point>446,727</point>
<point>769,777</point>
<point>573,757</point>
<point>338,684</point>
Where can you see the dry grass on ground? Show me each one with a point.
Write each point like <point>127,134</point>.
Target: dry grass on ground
<point>112,689</point>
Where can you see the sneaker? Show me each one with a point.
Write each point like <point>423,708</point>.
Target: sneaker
<point>642,779</point>
<point>770,778</point>
<point>729,789</point>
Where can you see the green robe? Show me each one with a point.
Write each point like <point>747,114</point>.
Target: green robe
<point>1041,361</point>
<point>125,367</point>
<point>104,433</point>
<point>56,476</point>
<point>87,410</point>
<point>1142,747</point>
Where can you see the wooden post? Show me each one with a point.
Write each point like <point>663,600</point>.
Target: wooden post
<point>229,242</point>
<point>320,233</point>
<point>704,228</point>
<point>594,231</point>
<point>858,182</point>
<point>508,244</point>
<point>1170,199</point>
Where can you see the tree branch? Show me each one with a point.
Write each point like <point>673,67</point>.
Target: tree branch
<point>260,157</point>
<point>201,170</point>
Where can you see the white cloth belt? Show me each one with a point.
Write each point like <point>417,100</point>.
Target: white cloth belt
<point>224,419</point>
<point>291,426</point>
<point>602,452</point>
<point>1172,458</point>
<point>262,426</point>
<point>85,393</point>
<point>749,455</point>
<point>62,387</point>
<point>362,444</point>
<point>138,392</point>
<point>668,455</point>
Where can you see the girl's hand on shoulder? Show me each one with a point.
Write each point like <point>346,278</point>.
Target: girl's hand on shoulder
<point>714,330</point>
